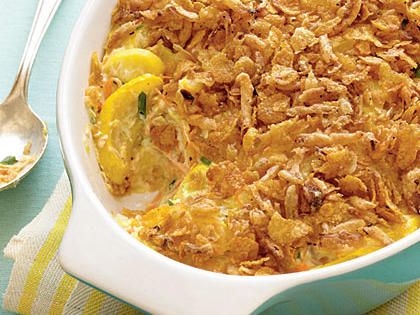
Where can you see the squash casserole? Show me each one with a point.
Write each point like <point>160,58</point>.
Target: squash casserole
<point>278,136</point>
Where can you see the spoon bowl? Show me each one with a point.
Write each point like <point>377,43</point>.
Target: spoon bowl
<point>20,127</point>
<point>22,132</point>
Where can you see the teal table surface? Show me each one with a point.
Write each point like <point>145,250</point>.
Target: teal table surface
<point>19,206</point>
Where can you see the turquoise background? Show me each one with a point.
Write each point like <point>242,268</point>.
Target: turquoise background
<point>19,206</point>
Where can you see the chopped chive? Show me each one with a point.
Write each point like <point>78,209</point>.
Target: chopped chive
<point>9,160</point>
<point>187,95</point>
<point>172,184</point>
<point>143,105</point>
<point>170,202</point>
<point>417,72</point>
<point>205,161</point>
<point>139,27</point>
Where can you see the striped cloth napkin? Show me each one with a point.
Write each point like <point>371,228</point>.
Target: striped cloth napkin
<point>38,285</point>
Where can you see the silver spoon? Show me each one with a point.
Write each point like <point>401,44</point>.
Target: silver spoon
<point>19,125</point>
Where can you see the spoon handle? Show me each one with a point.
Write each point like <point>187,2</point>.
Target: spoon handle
<point>43,17</point>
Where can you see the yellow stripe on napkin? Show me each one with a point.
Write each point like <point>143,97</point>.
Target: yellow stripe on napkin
<point>62,295</point>
<point>413,304</point>
<point>128,310</point>
<point>94,303</point>
<point>43,258</point>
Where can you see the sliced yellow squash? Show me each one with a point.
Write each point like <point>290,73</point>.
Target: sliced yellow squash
<point>139,39</point>
<point>127,64</point>
<point>122,126</point>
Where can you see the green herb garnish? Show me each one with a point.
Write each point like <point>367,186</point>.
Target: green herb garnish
<point>170,202</point>
<point>404,24</point>
<point>9,160</point>
<point>172,184</point>
<point>205,161</point>
<point>139,27</point>
<point>143,105</point>
<point>417,72</point>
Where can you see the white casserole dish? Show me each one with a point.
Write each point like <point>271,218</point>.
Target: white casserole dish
<point>96,250</point>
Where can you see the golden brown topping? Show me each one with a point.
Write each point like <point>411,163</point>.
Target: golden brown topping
<point>273,109</point>
<point>302,39</point>
<point>246,92</point>
<point>351,185</point>
<point>339,163</point>
<point>308,111</point>
<point>378,234</point>
<point>291,202</point>
<point>286,232</point>
<point>225,178</point>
